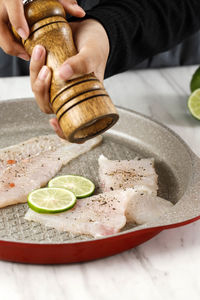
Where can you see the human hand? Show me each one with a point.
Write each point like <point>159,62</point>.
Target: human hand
<point>92,45</point>
<point>12,15</point>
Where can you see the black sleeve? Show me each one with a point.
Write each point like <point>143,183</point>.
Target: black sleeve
<point>139,29</point>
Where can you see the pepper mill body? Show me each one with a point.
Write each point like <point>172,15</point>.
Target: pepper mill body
<point>82,105</point>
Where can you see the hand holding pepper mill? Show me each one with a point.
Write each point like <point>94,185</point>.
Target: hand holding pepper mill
<point>82,105</point>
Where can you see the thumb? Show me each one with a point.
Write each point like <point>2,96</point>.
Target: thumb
<point>16,17</point>
<point>76,66</point>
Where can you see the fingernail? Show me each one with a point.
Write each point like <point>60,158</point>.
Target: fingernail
<point>66,71</point>
<point>24,56</point>
<point>22,33</point>
<point>37,52</point>
<point>43,73</point>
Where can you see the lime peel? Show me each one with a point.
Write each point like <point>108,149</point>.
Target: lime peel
<point>51,200</point>
<point>195,81</point>
<point>194,104</point>
<point>82,187</point>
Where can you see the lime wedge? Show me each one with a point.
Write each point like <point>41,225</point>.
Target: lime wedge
<point>80,186</point>
<point>194,104</point>
<point>195,82</point>
<point>51,200</point>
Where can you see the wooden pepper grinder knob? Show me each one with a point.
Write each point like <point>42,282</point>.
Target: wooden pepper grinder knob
<point>82,105</point>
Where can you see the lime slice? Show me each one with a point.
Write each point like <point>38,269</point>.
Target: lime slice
<point>195,82</point>
<point>80,186</point>
<point>194,104</point>
<point>51,200</point>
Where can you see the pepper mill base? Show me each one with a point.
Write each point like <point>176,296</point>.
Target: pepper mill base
<point>80,124</point>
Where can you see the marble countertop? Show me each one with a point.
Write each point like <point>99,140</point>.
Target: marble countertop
<point>165,267</point>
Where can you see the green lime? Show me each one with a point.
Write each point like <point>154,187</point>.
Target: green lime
<point>195,82</point>
<point>80,186</point>
<point>194,104</point>
<point>51,200</point>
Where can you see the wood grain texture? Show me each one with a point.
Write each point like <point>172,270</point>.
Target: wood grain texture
<point>82,105</point>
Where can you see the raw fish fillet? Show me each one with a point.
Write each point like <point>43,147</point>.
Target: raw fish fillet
<point>143,207</point>
<point>115,174</point>
<point>31,147</point>
<point>30,165</point>
<point>99,215</point>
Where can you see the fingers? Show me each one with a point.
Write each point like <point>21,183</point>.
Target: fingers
<point>9,45</point>
<point>73,8</point>
<point>16,17</point>
<point>56,127</point>
<point>93,48</point>
<point>40,78</point>
<point>83,63</point>
<point>77,65</point>
<point>40,83</point>
<point>7,40</point>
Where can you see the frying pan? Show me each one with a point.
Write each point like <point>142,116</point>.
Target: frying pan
<point>177,166</point>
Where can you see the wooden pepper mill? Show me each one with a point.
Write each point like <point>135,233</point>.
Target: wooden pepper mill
<point>82,105</point>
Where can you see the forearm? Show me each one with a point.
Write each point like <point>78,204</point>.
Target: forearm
<point>138,29</point>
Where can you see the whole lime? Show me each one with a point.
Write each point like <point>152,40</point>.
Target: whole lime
<point>195,82</point>
<point>194,104</point>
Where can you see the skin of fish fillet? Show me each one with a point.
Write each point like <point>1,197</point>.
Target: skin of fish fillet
<point>123,174</point>
<point>99,215</point>
<point>30,165</point>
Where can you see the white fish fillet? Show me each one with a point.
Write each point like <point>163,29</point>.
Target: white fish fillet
<point>36,161</point>
<point>99,215</point>
<point>115,174</point>
<point>139,174</point>
<point>143,207</point>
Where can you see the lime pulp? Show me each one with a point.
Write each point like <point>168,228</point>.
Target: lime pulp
<point>51,200</point>
<point>80,186</point>
<point>194,104</point>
